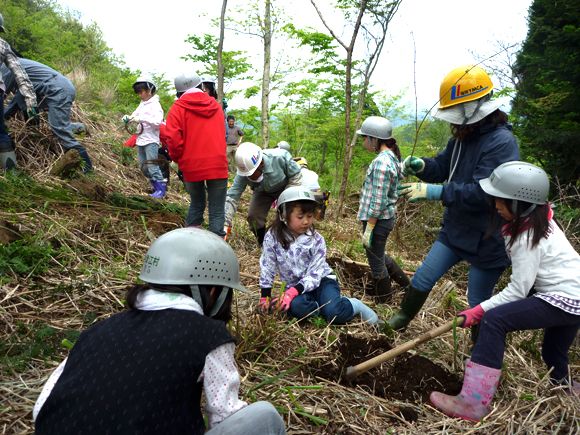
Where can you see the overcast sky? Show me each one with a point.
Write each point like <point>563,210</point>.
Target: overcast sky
<point>150,35</point>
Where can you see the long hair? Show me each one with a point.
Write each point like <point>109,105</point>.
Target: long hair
<point>209,87</point>
<point>281,231</point>
<point>224,313</point>
<point>494,119</point>
<point>391,144</point>
<point>536,224</point>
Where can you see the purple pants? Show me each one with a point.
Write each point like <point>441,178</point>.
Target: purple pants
<point>560,329</point>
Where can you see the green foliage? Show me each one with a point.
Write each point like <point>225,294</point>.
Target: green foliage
<point>26,257</point>
<point>547,104</point>
<point>20,192</point>
<point>236,65</point>
<point>323,46</point>
<point>43,31</point>
<point>32,341</point>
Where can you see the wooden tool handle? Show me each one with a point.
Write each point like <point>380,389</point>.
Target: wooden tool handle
<point>354,371</point>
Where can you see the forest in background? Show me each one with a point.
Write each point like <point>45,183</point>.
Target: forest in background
<point>310,113</point>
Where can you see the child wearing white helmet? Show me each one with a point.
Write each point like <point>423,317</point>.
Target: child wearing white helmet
<point>143,370</point>
<point>149,116</point>
<point>295,251</point>
<point>377,206</point>
<point>543,292</point>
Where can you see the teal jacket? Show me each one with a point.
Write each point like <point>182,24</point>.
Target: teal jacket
<point>279,172</point>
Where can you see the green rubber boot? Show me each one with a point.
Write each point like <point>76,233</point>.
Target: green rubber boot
<point>411,305</point>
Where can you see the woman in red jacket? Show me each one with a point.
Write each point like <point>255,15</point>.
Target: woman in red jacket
<point>195,136</point>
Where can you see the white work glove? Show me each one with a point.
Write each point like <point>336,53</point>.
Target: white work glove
<point>367,236</point>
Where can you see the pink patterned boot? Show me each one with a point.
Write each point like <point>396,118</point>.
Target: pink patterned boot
<point>473,403</point>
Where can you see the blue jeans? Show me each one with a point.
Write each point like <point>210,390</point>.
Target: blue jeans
<point>378,259</point>
<point>440,259</point>
<point>57,96</point>
<point>324,300</point>
<point>145,154</point>
<point>560,329</point>
<point>256,418</point>
<point>216,198</point>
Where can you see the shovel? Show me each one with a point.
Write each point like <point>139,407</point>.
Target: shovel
<point>354,371</point>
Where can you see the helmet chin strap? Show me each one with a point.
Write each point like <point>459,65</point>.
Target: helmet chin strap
<point>477,107</point>
<point>282,213</point>
<point>219,302</point>
<point>196,295</point>
<point>526,212</point>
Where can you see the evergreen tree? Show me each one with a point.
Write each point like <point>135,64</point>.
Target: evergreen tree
<point>547,103</point>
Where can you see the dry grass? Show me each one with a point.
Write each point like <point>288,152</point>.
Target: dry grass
<point>100,250</point>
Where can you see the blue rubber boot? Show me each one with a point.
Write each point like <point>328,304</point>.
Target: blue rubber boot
<point>160,189</point>
<point>366,313</point>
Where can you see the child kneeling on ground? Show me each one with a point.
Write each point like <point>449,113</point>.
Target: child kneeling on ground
<point>143,371</point>
<point>293,249</point>
<point>543,260</point>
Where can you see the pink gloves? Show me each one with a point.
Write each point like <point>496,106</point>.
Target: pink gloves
<point>264,304</point>
<point>472,316</point>
<point>289,295</point>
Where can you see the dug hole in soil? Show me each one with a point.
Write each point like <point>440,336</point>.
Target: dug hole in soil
<point>407,377</point>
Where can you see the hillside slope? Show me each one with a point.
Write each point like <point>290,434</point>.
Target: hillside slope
<point>72,246</point>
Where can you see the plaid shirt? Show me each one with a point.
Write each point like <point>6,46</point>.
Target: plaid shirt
<point>379,192</point>
<point>8,57</point>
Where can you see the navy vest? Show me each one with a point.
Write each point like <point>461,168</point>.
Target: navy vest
<point>134,373</point>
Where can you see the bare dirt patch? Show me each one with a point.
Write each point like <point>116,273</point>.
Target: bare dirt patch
<point>407,378</point>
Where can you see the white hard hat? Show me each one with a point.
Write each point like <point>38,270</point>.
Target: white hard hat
<point>293,193</point>
<point>191,256</point>
<point>284,145</point>
<point>376,126</point>
<point>146,79</point>
<point>186,81</point>
<point>520,181</point>
<point>208,79</point>
<point>248,158</point>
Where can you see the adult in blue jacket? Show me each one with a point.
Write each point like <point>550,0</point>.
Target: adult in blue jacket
<point>54,93</point>
<point>482,140</point>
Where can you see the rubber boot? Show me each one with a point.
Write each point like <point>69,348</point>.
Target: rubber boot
<point>397,275</point>
<point>382,290</point>
<point>160,189</point>
<point>473,403</point>
<point>7,156</point>
<point>87,164</point>
<point>410,306</point>
<point>366,313</point>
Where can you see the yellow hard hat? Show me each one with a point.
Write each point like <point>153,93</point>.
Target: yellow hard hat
<point>463,84</point>
<point>301,161</point>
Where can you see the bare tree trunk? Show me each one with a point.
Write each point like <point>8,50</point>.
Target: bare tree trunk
<point>349,145</point>
<point>220,63</point>
<point>265,117</point>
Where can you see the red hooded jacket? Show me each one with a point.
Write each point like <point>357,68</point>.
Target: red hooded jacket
<point>195,136</point>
